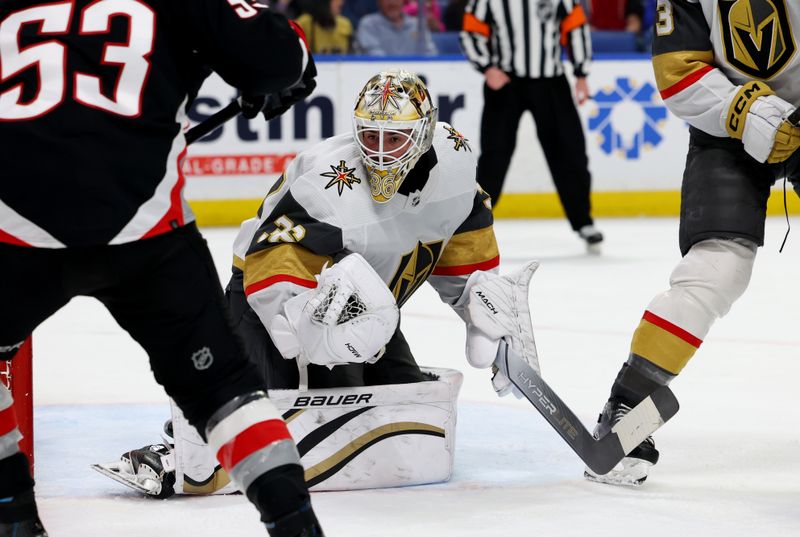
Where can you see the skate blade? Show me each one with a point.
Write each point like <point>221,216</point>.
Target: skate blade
<point>118,472</point>
<point>594,249</point>
<point>629,473</point>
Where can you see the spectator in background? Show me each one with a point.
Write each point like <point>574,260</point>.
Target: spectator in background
<point>327,31</point>
<point>355,10</point>
<point>649,17</point>
<point>618,15</point>
<point>390,32</point>
<point>433,14</point>
<point>454,15</point>
<point>291,9</point>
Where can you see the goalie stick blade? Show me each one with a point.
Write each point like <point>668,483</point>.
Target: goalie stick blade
<point>113,471</point>
<point>600,455</point>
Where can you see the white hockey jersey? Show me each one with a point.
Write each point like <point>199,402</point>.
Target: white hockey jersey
<point>438,227</point>
<point>705,51</point>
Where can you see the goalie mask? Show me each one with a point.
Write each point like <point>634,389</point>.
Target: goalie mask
<point>393,124</point>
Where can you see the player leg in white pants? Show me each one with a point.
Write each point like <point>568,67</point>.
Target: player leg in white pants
<point>703,286</point>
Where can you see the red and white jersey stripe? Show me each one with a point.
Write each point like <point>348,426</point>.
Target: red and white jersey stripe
<point>93,96</point>
<point>252,440</point>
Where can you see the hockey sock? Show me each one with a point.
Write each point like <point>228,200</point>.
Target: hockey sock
<point>636,382</point>
<point>254,447</point>
<point>282,499</point>
<point>16,490</point>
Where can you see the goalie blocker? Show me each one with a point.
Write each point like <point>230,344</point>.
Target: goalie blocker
<point>348,439</point>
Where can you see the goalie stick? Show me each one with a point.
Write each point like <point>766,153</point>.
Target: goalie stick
<point>601,455</point>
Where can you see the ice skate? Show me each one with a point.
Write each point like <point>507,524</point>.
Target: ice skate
<point>593,238</point>
<point>633,469</point>
<point>149,470</point>
<point>27,528</point>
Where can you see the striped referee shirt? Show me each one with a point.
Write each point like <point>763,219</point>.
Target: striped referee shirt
<point>524,38</point>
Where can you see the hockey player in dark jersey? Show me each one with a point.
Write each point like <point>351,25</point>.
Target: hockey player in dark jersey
<point>93,99</point>
<point>730,69</point>
<point>351,230</point>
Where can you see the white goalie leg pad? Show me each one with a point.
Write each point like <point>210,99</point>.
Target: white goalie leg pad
<point>375,436</point>
<point>197,470</point>
<point>349,438</point>
<point>348,318</point>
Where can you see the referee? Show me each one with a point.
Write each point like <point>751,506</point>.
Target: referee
<point>517,45</point>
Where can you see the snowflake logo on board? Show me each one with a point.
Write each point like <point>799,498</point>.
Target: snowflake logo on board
<point>629,119</point>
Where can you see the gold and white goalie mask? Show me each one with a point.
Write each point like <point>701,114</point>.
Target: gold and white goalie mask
<point>393,124</point>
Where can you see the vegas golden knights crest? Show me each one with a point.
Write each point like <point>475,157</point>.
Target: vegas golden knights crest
<point>757,35</point>
<point>414,269</point>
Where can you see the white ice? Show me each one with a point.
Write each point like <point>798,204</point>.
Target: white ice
<point>729,459</point>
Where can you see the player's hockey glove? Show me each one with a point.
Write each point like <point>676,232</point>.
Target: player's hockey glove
<point>496,308</point>
<point>275,104</point>
<point>348,318</point>
<point>759,118</point>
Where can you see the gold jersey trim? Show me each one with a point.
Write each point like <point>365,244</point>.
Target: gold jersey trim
<point>673,67</point>
<point>283,260</point>
<point>469,248</point>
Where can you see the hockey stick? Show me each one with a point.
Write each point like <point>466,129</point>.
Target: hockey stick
<point>198,131</point>
<point>233,109</point>
<point>600,455</point>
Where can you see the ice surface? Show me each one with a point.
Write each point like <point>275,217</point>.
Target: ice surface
<point>729,462</point>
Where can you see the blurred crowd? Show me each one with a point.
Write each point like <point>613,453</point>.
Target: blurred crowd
<point>396,27</point>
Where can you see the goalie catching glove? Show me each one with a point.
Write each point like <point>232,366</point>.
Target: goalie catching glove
<point>759,118</point>
<point>348,318</point>
<point>496,308</point>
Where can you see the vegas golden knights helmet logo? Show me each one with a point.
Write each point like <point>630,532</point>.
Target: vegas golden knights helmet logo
<point>414,269</point>
<point>757,35</point>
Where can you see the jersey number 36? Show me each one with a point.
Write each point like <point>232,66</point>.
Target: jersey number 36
<point>49,58</point>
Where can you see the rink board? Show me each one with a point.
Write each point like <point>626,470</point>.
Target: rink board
<point>636,147</point>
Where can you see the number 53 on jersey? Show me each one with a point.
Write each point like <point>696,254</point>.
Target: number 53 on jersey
<point>50,24</point>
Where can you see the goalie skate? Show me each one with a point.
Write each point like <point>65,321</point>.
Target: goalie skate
<point>149,470</point>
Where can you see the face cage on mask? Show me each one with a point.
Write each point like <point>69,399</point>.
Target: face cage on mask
<point>384,160</point>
